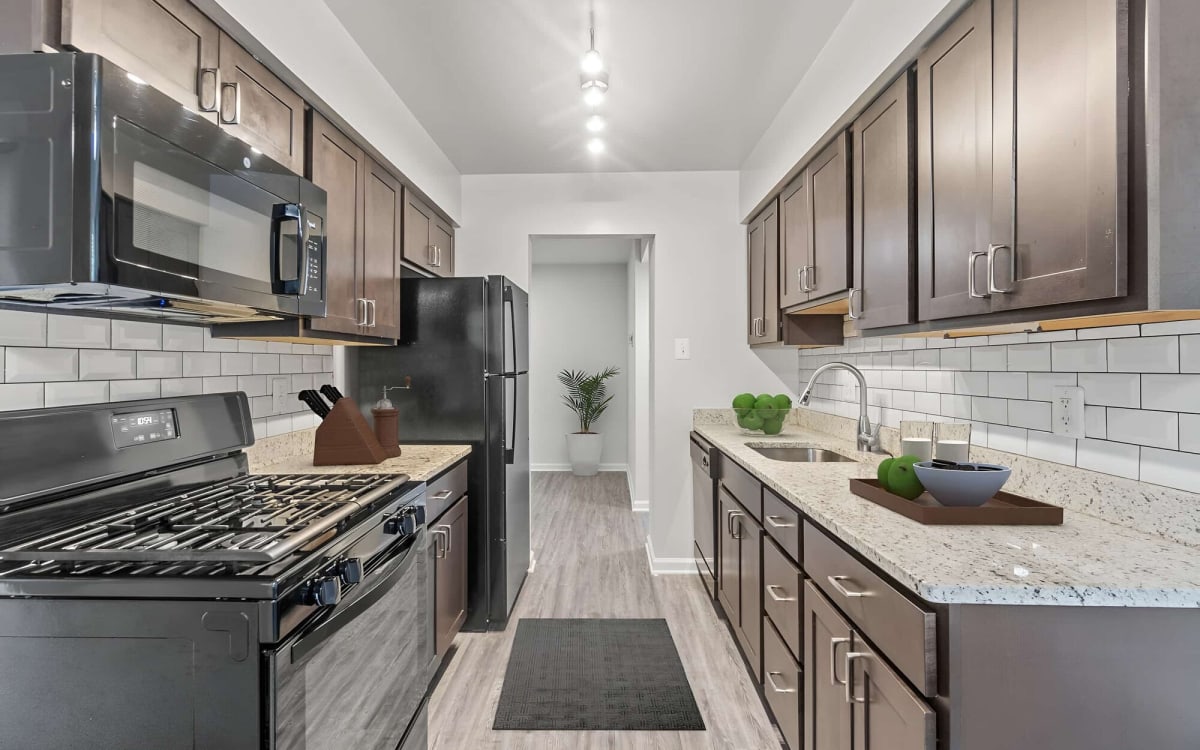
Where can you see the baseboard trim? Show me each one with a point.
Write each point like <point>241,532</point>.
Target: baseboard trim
<point>638,506</point>
<point>567,467</point>
<point>669,566</point>
<point>641,506</point>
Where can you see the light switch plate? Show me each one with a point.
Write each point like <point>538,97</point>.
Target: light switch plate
<point>683,348</point>
<point>279,393</point>
<point>1066,411</point>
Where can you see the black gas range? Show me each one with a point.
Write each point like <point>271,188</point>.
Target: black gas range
<point>153,594</point>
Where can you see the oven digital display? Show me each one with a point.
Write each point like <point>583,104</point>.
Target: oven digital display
<point>143,427</point>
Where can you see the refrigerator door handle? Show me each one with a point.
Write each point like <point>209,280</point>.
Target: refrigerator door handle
<point>510,312</point>
<point>510,427</point>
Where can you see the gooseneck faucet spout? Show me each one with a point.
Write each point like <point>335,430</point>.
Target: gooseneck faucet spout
<point>868,438</point>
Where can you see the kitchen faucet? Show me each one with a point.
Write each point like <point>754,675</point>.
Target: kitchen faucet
<point>868,439</point>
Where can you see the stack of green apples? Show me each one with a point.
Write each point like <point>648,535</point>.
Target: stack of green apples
<point>896,475</point>
<point>764,413</point>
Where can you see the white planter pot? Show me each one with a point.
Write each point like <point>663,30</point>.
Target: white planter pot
<point>583,450</point>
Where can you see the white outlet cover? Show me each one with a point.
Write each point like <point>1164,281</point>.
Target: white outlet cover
<point>279,393</point>
<point>1066,411</point>
<point>683,348</point>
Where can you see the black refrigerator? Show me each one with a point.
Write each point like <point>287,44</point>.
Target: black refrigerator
<point>465,344</point>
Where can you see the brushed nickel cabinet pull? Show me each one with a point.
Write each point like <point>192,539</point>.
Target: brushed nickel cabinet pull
<point>836,582</point>
<point>777,522</point>
<point>850,657</point>
<point>833,647</point>
<point>771,591</point>
<point>236,117</point>
<point>208,81</point>
<point>971,260</point>
<point>775,686</point>
<point>991,269</point>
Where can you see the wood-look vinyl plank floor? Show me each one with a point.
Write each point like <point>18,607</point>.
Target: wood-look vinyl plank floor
<point>591,562</point>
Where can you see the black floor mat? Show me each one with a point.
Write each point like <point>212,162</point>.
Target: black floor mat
<point>596,674</point>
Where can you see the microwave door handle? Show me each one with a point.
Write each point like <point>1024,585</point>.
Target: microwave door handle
<point>280,213</point>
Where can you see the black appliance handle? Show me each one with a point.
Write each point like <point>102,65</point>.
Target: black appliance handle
<point>280,213</point>
<point>510,450</point>
<point>511,307</point>
<point>387,574</point>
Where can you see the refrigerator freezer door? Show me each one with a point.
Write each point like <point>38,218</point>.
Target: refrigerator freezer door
<point>516,493</point>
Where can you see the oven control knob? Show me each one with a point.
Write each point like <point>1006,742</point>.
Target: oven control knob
<point>351,571</point>
<point>323,592</point>
<point>403,522</point>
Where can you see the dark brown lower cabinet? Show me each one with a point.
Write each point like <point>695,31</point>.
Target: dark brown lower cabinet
<point>450,574</point>
<point>782,684</point>
<point>740,590</point>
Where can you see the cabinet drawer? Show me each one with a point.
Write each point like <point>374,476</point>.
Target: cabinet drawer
<point>781,685</point>
<point>782,594</point>
<point>445,490</point>
<point>744,487</point>
<point>782,522</point>
<point>904,631</point>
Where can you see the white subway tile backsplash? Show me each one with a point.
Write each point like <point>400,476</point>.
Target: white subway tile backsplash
<point>253,385</point>
<point>902,360</point>
<point>1171,392</point>
<point>1095,422</point>
<point>1173,328</point>
<point>913,380</point>
<point>956,406</point>
<point>872,344</point>
<point>279,425</point>
<point>905,400</point>
<point>279,347</point>
<point>19,396</point>
<point>159,364</point>
<point>183,338</point>
<point>956,359</point>
<point>1108,458</point>
<point>266,364</point>
<point>1189,353</point>
<point>250,346</point>
<point>971,383</point>
<point>1034,415</point>
<point>928,403</point>
<point>29,365</point>
<point>1009,439</point>
<point>107,364</point>
<point>1111,389</point>
<point>314,363</point>
<point>201,364</point>
<point>20,328</point>
<point>1041,336</point>
<point>892,344</point>
<point>990,410</point>
<point>212,344</point>
<point>1029,358</point>
<point>1079,356</point>
<point>70,394</point>
<point>220,385</point>
<point>1153,354</point>
<point>914,342</point>
<point>1171,468</point>
<point>1042,384</point>
<point>1008,385</point>
<point>308,349</point>
<point>935,342</point>
<point>136,334</point>
<point>1108,332</point>
<point>237,364</point>
<point>1020,337</point>
<point>1158,429</point>
<point>133,390</point>
<point>260,406</point>
<point>174,387</point>
<point>989,358</point>
<point>939,381</point>
<point>1189,433</point>
<point>966,341</point>
<point>927,359</point>
<point>1050,447</point>
<point>78,332</point>
<point>302,383</point>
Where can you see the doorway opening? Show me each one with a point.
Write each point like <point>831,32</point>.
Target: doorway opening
<point>589,309</point>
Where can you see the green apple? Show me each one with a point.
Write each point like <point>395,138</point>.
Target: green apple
<point>882,473</point>
<point>752,421</point>
<point>773,426</point>
<point>743,403</point>
<point>902,479</point>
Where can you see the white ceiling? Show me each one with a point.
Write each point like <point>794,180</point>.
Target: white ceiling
<point>694,83</point>
<point>578,250</point>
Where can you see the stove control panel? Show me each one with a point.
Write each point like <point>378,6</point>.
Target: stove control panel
<point>141,427</point>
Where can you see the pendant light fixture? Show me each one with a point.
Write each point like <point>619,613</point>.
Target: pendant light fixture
<point>593,81</point>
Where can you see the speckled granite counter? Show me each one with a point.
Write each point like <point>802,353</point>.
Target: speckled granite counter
<point>292,454</point>
<point>1086,561</point>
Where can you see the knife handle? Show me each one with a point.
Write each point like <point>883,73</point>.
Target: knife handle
<point>331,393</point>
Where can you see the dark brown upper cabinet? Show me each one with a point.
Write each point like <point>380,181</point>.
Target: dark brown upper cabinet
<point>762,263</point>
<point>814,256</point>
<point>167,43</point>
<point>1022,112</point>
<point>259,108</point>
<point>1060,144</point>
<point>795,242</point>
<point>383,240</point>
<point>884,210</point>
<point>428,239</point>
<point>954,166</point>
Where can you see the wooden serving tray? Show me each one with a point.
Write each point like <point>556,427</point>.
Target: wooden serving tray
<point>1003,509</point>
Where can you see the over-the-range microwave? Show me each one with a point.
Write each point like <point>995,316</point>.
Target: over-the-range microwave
<point>117,200</point>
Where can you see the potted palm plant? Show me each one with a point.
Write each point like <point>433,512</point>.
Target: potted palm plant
<point>586,395</point>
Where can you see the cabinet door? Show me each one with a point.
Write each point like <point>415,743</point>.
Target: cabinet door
<point>382,239</point>
<point>884,241</point>
<point>762,249</point>
<point>795,242</point>
<point>339,166</point>
<point>441,236</point>
<point>829,191</point>
<point>729,584</point>
<point>827,640</point>
<point>887,714</point>
<point>258,108</point>
<point>750,534</point>
<point>1059,158</point>
<point>450,574</point>
<point>418,228</point>
<point>954,166</point>
<point>781,685</point>
<point>167,43</point>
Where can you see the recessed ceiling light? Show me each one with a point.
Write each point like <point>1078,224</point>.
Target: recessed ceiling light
<point>596,146</point>
<point>595,124</point>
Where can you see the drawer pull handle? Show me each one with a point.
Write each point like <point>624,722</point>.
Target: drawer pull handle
<point>850,657</point>
<point>442,495</point>
<point>775,685</point>
<point>771,591</point>
<point>778,523</point>
<point>833,647</point>
<point>836,582</point>
<point>729,518</point>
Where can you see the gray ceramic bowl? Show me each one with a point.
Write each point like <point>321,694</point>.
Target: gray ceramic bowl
<point>962,488</point>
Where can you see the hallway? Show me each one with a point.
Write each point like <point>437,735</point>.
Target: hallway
<point>591,562</point>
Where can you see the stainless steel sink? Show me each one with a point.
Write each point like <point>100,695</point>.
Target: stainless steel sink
<point>802,455</point>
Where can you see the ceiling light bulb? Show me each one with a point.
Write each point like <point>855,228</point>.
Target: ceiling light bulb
<point>593,96</point>
<point>595,124</point>
<point>591,62</point>
<point>596,146</point>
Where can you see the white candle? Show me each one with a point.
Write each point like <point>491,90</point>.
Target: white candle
<point>922,448</point>
<point>954,450</point>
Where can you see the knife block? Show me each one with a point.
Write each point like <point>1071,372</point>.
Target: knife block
<point>344,438</point>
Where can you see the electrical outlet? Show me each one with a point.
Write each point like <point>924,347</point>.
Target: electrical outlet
<point>683,348</point>
<point>279,393</point>
<point>1066,411</point>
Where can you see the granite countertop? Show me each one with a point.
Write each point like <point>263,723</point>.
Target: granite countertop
<point>1084,562</point>
<point>293,455</point>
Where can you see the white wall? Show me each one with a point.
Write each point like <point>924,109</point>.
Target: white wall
<point>642,376</point>
<point>311,42</point>
<point>871,35</point>
<point>697,291</point>
<point>577,317</point>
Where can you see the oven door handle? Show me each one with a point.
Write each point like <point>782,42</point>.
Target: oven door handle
<point>280,213</point>
<point>387,576</point>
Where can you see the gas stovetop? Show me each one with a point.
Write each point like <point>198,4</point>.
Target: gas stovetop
<point>235,526</point>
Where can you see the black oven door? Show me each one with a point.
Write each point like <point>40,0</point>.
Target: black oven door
<point>357,678</point>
